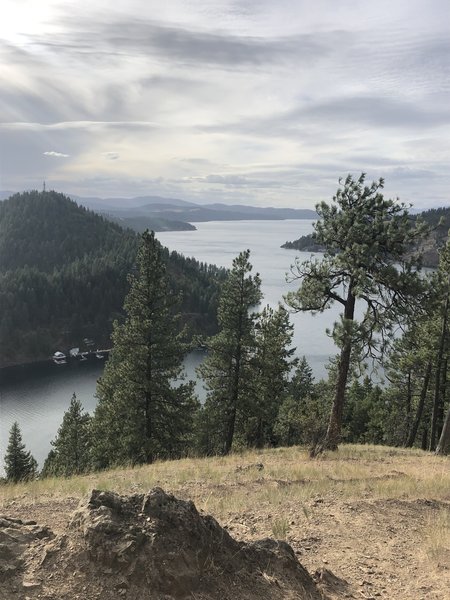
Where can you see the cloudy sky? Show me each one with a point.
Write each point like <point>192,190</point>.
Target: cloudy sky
<point>248,101</point>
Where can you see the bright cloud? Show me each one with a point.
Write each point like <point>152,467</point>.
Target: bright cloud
<point>56,154</point>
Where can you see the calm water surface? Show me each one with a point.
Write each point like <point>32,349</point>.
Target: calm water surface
<point>37,397</point>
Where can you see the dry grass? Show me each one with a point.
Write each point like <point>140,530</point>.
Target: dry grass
<point>224,484</point>
<point>437,543</point>
<point>280,528</point>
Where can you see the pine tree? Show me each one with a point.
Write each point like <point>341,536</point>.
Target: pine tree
<point>302,381</point>
<point>228,370</point>
<point>144,410</point>
<point>19,463</point>
<point>440,426</point>
<point>302,415</point>
<point>417,366</point>
<point>364,414</point>
<point>71,447</point>
<point>366,238</point>
<point>273,364</point>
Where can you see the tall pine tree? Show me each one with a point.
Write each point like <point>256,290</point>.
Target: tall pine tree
<point>145,411</point>
<point>273,364</point>
<point>366,239</point>
<point>228,370</point>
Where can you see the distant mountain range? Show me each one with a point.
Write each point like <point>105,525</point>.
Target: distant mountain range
<point>173,214</point>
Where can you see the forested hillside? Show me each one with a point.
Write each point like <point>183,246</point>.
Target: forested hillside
<point>63,277</point>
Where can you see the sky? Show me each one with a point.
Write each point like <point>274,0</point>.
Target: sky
<point>257,102</point>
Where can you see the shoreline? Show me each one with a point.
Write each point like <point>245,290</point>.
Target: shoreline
<point>31,364</point>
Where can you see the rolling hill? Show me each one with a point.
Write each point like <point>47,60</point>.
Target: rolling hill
<point>63,277</point>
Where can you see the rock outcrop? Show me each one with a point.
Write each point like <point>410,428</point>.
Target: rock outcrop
<point>148,547</point>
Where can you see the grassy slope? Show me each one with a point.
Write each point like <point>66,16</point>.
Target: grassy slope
<point>378,517</point>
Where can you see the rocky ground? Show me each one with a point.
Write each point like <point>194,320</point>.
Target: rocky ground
<point>348,540</point>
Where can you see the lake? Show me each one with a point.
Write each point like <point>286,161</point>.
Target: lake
<point>37,396</point>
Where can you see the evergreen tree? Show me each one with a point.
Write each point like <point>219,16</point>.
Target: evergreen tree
<point>71,447</point>
<point>407,368</point>
<point>417,367</point>
<point>302,415</point>
<point>273,364</point>
<point>442,349</point>
<point>366,238</point>
<point>228,370</point>
<point>302,381</point>
<point>144,410</point>
<point>19,463</point>
<point>364,414</point>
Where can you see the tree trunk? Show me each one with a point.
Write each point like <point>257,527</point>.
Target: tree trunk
<point>408,409</point>
<point>333,435</point>
<point>441,415</point>
<point>423,394</point>
<point>260,433</point>
<point>236,383</point>
<point>437,408</point>
<point>149,458</point>
<point>424,438</point>
<point>148,428</point>
<point>231,423</point>
<point>443,446</point>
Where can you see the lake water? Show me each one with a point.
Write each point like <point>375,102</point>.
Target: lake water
<point>37,396</point>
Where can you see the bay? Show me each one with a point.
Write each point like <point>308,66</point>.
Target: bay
<point>37,396</point>
<point>220,242</point>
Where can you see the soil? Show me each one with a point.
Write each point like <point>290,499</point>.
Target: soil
<point>359,547</point>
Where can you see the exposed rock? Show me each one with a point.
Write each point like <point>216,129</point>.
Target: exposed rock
<point>149,547</point>
<point>161,542</point>
<point>16,537</point>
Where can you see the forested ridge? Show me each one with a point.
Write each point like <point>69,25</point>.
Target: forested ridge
<point>63,277</point>
<point>438,220</point>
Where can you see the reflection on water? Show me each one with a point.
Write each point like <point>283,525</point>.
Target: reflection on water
<point>37,396</point>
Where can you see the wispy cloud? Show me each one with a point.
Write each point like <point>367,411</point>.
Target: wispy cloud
<point>56,154</point>
<point>111,155</point>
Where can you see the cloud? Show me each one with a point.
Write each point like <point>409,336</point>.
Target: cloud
<point>56,154</point>
<point>377,111</point>
<point>263,180</point>
<point>36,126</point>
<point>99,36</point>
<point>225,179</point>
<point>111,155</point>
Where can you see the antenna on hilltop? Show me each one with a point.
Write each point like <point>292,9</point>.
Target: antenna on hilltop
<point>43,187</point>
